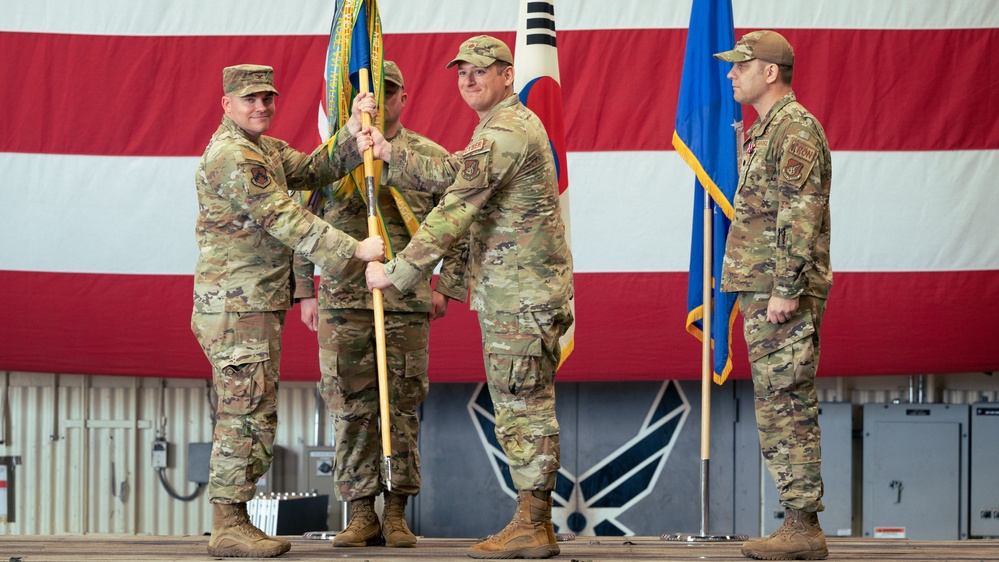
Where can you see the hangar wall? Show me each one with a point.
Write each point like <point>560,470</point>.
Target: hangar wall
<point>78,454</point>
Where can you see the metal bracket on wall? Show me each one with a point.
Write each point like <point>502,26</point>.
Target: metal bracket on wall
<point>897,486</point>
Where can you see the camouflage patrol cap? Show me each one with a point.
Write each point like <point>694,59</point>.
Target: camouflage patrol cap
<point>768,46</point>
<point>245,79</point>
<point>482,50</point>
<point>393,74</point>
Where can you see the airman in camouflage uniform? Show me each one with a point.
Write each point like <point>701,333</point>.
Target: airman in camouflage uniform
<point>777,259</point>
<point>246,229</point>
<point>502,188</point>
<point>345,323</point>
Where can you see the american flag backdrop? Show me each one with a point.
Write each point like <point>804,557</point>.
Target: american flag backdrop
<point>110,104</point>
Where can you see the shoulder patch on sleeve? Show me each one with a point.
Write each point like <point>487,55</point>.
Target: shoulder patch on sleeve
<point>801,150</point>
<point>474,147</point>
<point>796,163</point>
<point>474,159</point>
<point>470,169</point>
<point>259,176</point>
<point>249,156</point>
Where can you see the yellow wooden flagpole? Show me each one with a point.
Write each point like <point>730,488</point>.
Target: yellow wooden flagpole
<point>707,377</point>
<point>378,305</point>
<point>707,367</point>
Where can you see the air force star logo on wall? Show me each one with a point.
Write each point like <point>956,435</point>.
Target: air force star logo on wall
<point>589,504</point>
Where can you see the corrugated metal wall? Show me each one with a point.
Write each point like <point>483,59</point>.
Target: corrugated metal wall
<point>83,445</point>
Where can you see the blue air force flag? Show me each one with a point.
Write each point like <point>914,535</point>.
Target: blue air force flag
<point>707,137</point>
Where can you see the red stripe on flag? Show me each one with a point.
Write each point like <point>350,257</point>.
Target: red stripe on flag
<point>140,325</point>
<point>159,96</point>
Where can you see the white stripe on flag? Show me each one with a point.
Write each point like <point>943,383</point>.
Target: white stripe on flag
<point>146,224</point>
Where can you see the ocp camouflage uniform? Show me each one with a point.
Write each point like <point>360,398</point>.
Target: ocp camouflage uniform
<point>246,229</point>
<point>778,245</point>
<point>503,189</point>
<point>347,342</point>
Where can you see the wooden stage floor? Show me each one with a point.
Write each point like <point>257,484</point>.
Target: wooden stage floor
<point>99,548</point>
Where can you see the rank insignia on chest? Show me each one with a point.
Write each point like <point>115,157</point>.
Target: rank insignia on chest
<point>471,169</point>
<point>259,177</point>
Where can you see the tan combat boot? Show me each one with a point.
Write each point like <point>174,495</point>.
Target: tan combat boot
<point>549,527</point>
<point>799,538</point>
<point>394,528</point>
<point>529,535</point>
<point>233,536</point>
<point>363,529</point>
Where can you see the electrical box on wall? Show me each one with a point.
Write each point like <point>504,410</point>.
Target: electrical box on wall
<point>984,476</point>
<point>916,471</point>
<point>199,457</point>
<point>319,467</point>
<point>316,475</point>
<point>159,456</point>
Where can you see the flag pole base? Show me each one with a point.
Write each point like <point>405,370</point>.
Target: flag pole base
<point>682,537</point>
<point>703,536</point>
<point>387,470</point>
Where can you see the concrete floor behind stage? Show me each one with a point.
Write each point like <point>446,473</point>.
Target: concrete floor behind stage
<point>93,548</point>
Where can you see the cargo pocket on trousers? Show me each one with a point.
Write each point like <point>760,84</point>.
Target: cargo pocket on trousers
<point>413,388</point>
<point>241,368</point>
<point>513,349</point>
<point>524,340</point>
